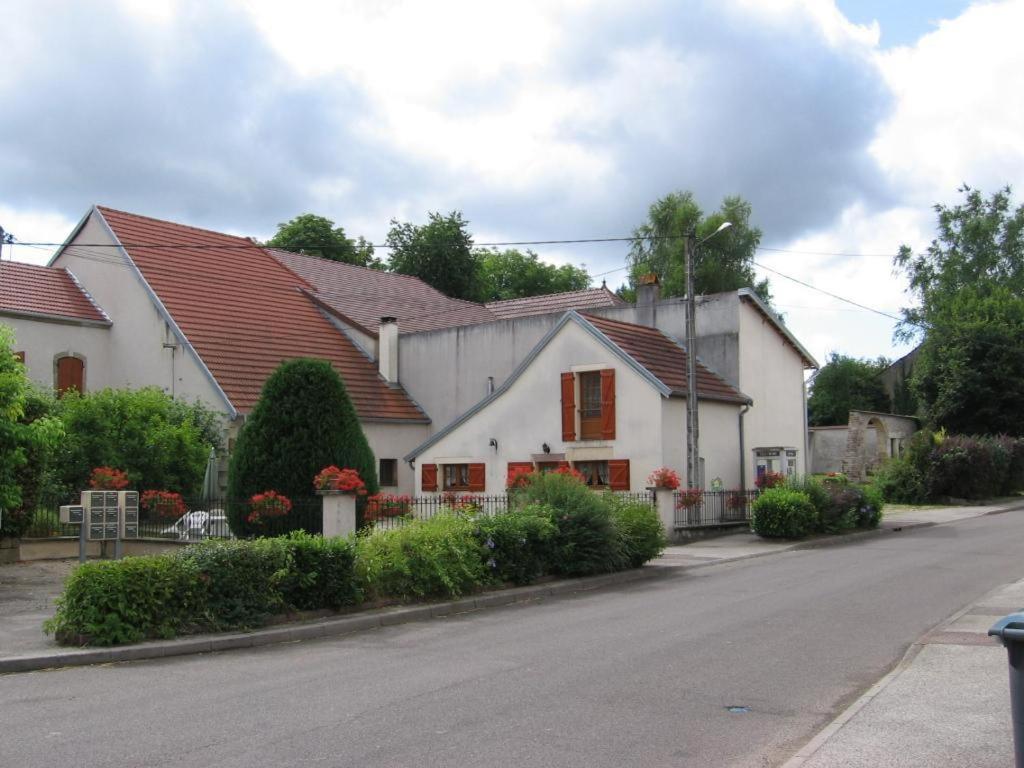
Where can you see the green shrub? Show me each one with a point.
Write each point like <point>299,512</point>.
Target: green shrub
<point>125,601</point>
<point>966,467</point>
<point>438,557</point>
<point>42,523</point>
<point>900,482</point>
<point>303,422</point>
<point>819,492</point>
<point>870,513</point>
<point>781,513</point>
<point>242,579</point>
<point>321,573</point>
<point>639,529</point>
<point>518,546</point>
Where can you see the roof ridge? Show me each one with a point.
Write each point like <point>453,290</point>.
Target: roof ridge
<point>108,209</point>
<point>546,295</point>
<point>12,262</point>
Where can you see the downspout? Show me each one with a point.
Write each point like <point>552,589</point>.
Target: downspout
<point>807,443</point>
<point>743,452</point>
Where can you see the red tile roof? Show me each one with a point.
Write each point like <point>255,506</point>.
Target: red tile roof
<point>363,296</point>
<point>591,298</point>
<point>665,359</point>
<point>30,289</point>
<point>244,313</point>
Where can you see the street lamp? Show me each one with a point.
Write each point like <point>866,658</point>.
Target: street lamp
<point>692,426</point>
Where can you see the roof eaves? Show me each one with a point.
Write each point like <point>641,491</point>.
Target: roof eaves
<point>631,361</point>
<point>72,236</point>
<point>164,313</point>
<point>55,318</point>
<point>747,293</point>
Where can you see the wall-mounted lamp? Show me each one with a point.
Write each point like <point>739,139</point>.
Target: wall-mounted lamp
<point>546,448</point>
<point>494,444</point>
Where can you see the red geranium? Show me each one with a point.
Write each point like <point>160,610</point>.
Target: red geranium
<point>108,479</point>
<point>333,479</point>
<point>689,498</point>
<point>519,477</point>
<point>163,503</point>
<point>663,478</point>
<point>570,472</point>
<point>384,505</point>
<point>268,504</point>
<point>769,480</point>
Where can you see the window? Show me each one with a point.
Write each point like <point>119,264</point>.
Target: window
<point>456,477</point>
<point>595,473</point>
<point>70,374</point>
<point>388,472</point>
<point>590,405</point>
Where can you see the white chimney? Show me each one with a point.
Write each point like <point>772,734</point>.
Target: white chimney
<point>387,349</point>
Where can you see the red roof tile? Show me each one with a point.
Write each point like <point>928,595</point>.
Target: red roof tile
<point>665,359</point>
<point>46,291</point>
<point>244,313</point>
<point>364,296</point>
<point>591,298</point>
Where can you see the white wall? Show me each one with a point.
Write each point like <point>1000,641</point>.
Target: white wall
<point>719,443</point>
<point>528,415</point>
<point>772,373</point>
<point>394,441</point>
<point>43,341</point>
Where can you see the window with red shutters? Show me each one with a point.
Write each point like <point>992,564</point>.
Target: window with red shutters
<point>568,407</point>
<point>590,405</point>
<point>428,480</point>
<point>70,374</point>
<point>477,477</point>
<point>618,474</point>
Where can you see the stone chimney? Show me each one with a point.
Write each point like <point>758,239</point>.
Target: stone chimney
<point>648,293</point>
<point>387,349</point>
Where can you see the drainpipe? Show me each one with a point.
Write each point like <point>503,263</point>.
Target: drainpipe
<point>743,452</point>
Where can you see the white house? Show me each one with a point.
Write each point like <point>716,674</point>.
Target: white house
<point>605,397</point>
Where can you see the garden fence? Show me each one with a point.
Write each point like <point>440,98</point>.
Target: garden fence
<point>698,509</point>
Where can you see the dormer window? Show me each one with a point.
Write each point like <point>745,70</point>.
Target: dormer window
<point>594,419</point>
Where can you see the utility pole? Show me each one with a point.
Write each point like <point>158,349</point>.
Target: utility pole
<point>692,425</point>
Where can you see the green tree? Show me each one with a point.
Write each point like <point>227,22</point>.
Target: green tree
<point>161,443</point>
<point>969,286</point>
<point>512,274</point>
<point>724,263</point>
<point>317,236</point>
<point>439,252</point>
<point>845,384</point>
<point>304,421</point>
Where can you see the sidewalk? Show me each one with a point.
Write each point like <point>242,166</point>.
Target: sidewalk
<point>27,592</point>
<point>946,703</point>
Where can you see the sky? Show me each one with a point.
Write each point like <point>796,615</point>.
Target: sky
<point>842,122</point>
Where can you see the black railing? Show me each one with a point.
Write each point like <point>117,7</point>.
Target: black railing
<point>697,509</point>
<point>209,519</point>
<point>385,512</point>
<point>636,497</point>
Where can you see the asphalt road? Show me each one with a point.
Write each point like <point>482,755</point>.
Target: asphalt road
<point>638,676</point>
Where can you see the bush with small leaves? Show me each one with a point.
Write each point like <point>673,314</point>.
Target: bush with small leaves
<point>639,529</point>
<point>518,546</point>
<point>781,513</point>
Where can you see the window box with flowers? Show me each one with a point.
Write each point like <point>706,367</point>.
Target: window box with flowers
<point>663,477</point>
<point>333,480</point>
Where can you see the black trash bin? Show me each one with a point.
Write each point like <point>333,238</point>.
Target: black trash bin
<point>1010,629</point>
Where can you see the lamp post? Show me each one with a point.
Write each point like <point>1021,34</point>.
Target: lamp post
<point>691,244</point>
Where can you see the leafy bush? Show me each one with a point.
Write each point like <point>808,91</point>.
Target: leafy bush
<point>586,541</point>
<point>125,601</point>
<point>303,422</point>
<point>966,467</point>
<point>242,579</point>
<point>869,515</point>
<point>781,513</point>
<point>518,546</point>
<point>818,492</point>
<point>639,529</point>
<point>438,557</point>
<point>900,482</point>
<point>321,573</point>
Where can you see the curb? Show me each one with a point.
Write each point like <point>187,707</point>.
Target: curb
<point>374,619</point>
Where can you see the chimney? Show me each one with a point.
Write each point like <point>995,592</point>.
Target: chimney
<point>648,293</point>
<point>387,349</point>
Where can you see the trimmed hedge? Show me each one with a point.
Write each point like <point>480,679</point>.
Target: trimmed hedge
<point>639,529</point>
<point>782,513</point>
<point>518,546</point>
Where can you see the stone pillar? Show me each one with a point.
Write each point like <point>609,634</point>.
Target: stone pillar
<point>339,513</point>
<point>664,502</point>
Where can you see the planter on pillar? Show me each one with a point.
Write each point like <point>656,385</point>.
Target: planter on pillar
<point>339,512</point>
<point>664,502</point>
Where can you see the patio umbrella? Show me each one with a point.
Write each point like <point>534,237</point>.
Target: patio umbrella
<point>211,486</point>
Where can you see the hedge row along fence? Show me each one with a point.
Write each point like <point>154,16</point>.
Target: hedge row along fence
<point>557,527</point>
<point>800,506</point>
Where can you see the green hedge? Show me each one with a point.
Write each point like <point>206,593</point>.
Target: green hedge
<point>782,513</point>
<point>639,529</point>
<point>518,546</point>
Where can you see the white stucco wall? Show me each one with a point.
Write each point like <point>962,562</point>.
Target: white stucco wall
<point>719,443</point>
<point>43,341</point>
<point>528,415</point>
<point>771,372</point>
<point>136,354</point>
<point>394,441</point>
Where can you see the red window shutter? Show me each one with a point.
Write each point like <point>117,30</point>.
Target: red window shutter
<point>568,407</point>
<point>608,404</point>
<point>618,474</point>
<point>517,467</point>
<point>70,374</point>
<point>477,473</point>
<point>428,482</point>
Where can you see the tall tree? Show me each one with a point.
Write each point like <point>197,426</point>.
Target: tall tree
<point>724,263</point>
<point>512,274</point>
<point>846,384</point>
<point>969,284</point>
<point>439,252</point>
<point>317,236</point>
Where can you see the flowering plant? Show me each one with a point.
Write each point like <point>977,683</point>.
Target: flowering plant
<point>384,505</point>
<point>163,503</point>
<point>108,479</point>
<point>689,498</point>
<point>519,477</point>
<point>268,504</point>
<point>333,479</point>
<point>663,477</point>
<point>570,472</point>
<point>769,480</point>
<point>464,502</point>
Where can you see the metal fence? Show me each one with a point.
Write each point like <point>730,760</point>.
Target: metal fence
<point>697,509</point>
<point>386,512</point>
